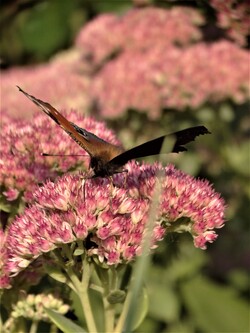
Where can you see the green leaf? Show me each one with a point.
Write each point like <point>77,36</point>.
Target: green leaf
<point>140,308</point>
<point>76,306</point>
<point>112,6</point>
<point>96,302</point>
<point>164,304</point>
<point>190,163</point>
<point>46,28</point>
<point>78,252</point>
<point>215,308</point>
<point>63,323</point>
<point>55,273</point>
<point>238,157</point>
<point>5,207</point>
<point>226,112</point>
<point>239,279</point>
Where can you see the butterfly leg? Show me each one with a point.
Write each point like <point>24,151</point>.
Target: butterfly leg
<point>125,179</point>
<point>111,191</point>
<point>84,190</point>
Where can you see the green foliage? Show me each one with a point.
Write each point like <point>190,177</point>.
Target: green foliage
<point>215,308</point>
<point>140,308</point>
<point>65,324</point>
<point>38,30</point>
<point>111,6</point>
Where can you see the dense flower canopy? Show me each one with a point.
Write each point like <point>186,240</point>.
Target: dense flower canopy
<point>59,82</point>
<point>157,25</point>
<point>171,68</point>
<point>234,17</point>
<point>112,217</point>
<point>160,82</point>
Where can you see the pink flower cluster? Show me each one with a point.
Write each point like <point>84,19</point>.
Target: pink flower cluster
<point>138,29</point>
<point>146,59</point>
<point>22,143</point>
<point>170,77</point>
<point>4,278</point>
<point>110,220</point>
<point>234,16</point>
<point>59,82</point>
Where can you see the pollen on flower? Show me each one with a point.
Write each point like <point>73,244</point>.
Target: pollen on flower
<point>112,232</point>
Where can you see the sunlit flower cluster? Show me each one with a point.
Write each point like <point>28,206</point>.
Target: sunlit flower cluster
<point>23,142</point>
<point>33,307</point>
<point>234,17</point>
<point>110,219</point>
<point>154,60</point>
<point>170,77</point>
<point>138,29</point>
<point>58,82</point>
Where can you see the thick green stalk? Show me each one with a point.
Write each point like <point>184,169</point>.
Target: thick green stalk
<point>82,291</point>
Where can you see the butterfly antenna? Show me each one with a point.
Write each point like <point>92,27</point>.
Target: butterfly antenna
<point>45,154</point>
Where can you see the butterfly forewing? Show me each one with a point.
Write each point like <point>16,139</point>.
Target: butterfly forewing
<point>94,145</point>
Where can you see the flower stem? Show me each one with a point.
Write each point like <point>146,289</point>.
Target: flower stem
<point>109,313</point>
<point>84,296</point>
<point>34,326</point>
<point>123,316</point>
<point>81,288</point>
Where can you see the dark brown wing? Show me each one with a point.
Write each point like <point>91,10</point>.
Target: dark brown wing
<point>95,146</point>
<point>153,147</point>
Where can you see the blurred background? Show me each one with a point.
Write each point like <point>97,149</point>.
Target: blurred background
<point>148,68</point>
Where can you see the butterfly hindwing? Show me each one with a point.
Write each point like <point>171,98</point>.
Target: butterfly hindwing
<point>153,147</point>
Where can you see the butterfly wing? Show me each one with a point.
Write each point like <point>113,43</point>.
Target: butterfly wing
<point>106,158</point>
<point>95,146</point>
<point>153,147</point>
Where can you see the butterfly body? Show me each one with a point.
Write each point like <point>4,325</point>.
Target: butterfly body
<point>107,159</point>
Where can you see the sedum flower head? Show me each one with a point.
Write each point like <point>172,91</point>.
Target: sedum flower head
<point>109,220</point>
<point>97,43</point>
<point>4,276</point>
<point>32,307</point>
<point>234,17</point>
<point>65,86</point>
<point>154,81</point>
<point>160,56</point>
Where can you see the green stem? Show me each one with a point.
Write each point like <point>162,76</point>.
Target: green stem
<point>109,309</point>
<point>82,290</point>
<point>123,315</point>
<point>34,326</point>
<point>109,314</point>
<point>53,328</point>
<point>85,296</point>
<point>127,315</point>
<point>96,288</point>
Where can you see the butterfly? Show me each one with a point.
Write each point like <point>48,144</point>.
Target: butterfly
<point>107,159</point>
